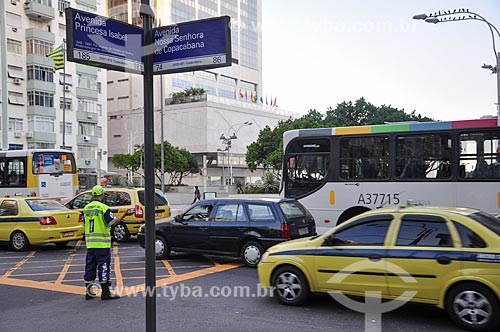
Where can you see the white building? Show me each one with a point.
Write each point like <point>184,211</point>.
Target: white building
<point>232,102</point>
<point>34,100</point>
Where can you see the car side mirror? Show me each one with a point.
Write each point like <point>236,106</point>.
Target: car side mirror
<point>178,218</point>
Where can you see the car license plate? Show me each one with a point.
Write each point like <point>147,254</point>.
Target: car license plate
<point>68,234</point>
<point>303,230</point>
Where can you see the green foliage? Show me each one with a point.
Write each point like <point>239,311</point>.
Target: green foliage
<point>178,163</point>
<point>240,186</point>
<point>268,149</point>
<point>189,92</point>
<point>116,180</point>
<point>271,183</point>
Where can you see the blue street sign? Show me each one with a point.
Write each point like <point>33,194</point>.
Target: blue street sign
<point>191,46</point>
<point>103,42</point>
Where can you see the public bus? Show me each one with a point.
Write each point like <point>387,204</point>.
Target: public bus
<point>338,173</point>
<point>38,172</point>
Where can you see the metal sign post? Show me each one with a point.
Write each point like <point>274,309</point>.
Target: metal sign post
<point>149,173</point>
<point>110,44</point>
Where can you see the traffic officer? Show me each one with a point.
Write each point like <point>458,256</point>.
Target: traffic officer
<point>98,222</point>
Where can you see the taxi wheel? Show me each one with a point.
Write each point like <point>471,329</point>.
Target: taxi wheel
<point>162,249</point>
<point>290,285</point>
<point>251,253</point>
<point>62,244</point>
<point>121,233</point>
<point>19,241</point>
<point>473,307</point>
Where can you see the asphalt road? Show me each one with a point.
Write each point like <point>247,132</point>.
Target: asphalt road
<point>42,290</point>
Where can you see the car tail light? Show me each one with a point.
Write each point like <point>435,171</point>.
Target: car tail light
<point>138,211</point>
<point>285,231</point>
<point>48,221</point>
<point>80,218</point>
<point>33,194</point>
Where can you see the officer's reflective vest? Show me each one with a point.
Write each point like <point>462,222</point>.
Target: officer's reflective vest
<point>97,233</point>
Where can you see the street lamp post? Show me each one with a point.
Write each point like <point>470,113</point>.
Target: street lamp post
<point>140,149</point>
<point>466,15</point>
<point>227,141</point>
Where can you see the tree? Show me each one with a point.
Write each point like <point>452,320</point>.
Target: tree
<point>178,163</point>
<point>267,150</point>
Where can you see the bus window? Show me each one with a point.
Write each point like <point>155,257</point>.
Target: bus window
<point>14,174</point>
<point>364,158</point>
<point>423,156</point>
<point>479,155</point>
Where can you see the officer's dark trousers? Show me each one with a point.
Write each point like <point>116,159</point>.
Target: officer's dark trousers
<point>98,260</point>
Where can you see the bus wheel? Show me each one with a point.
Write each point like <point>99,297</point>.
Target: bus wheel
<point>19,241</point>
<point>121,233</point>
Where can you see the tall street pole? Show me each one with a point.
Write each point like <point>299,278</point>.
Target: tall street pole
<point>64,101</point>
<point>149,159</point>
<point>498,88</point>
<point>162,157</point>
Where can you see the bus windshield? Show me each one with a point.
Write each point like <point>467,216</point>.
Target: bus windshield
<point>53,162</point>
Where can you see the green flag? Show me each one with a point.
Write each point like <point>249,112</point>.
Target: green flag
<point>58,56</point>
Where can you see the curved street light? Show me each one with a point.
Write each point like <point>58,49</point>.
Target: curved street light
<point>227,140</point>
<point>463,14</point>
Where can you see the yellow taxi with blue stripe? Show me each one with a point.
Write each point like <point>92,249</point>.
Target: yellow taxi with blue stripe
<point>119,201</point>
<point>447,257</point>
<point>26,221</point>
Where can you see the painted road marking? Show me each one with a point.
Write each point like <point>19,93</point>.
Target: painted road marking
<point>62,271</point>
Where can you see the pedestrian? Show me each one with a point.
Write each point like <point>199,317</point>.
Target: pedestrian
<point>98,222</point>
<point>197,195</point>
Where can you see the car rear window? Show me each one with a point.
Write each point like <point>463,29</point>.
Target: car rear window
<point>487,221</point>
<point>260,212</point>
<point>116,198</point>
<point>158,199</point>
<point>42,205</point>
<point>293,210</point>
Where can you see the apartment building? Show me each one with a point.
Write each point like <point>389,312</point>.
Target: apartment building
<point>37,104</point>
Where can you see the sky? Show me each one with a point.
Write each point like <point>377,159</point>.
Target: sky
<point>319,53</point>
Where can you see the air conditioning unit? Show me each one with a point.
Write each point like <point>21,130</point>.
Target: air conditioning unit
<point>86,138</point>
<point>29,134</point>
<point>17,80</point>
<point>14,2</point>
<point>67,88</point>
<point>89,115</point>
<point>14,29</point>
<point>17,134</point>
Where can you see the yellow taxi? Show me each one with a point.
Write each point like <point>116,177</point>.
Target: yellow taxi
<point>26,221</point>
<point>447,257</point>
<point>119,200</point>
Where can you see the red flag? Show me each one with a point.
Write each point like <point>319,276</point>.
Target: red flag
<point>275,104</point>
<point>241,94</point>
<point>266,101</point>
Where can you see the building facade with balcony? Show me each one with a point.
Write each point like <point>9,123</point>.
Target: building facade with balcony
<point>36,102</point>
<point>233,94</point>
